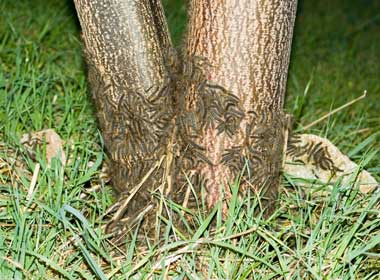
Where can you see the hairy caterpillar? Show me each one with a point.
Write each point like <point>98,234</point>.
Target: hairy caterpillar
<point>311,152</point>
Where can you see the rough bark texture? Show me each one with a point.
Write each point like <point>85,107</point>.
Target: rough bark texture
<point>247,45</point>
<point>125,44</point>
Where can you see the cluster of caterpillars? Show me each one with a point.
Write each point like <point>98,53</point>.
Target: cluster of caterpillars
<point>314,153</point>
<point>141,127</point>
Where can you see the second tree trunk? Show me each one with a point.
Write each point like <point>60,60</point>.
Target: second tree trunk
<point>247,46</point>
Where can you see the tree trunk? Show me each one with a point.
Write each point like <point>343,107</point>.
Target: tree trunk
<point>209,112</point>
<point>247,44</point>
<point>125,45</point>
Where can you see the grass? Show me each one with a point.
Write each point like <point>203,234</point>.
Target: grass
<point>56,234</point>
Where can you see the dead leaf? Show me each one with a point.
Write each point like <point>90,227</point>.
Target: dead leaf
<point>48,137</point>
<point>315,158</point>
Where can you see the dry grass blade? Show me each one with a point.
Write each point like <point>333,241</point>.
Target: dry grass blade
<point>177,255</point>
<point>123,206</point>
<point>16,264</point>
<point>335,111</point>
<point>33,182</point>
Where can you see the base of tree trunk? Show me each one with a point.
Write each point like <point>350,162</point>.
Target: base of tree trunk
<point>310,160</point>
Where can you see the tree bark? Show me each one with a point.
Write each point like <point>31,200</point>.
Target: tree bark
<point>125,45</point>
<point>247,44</point>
